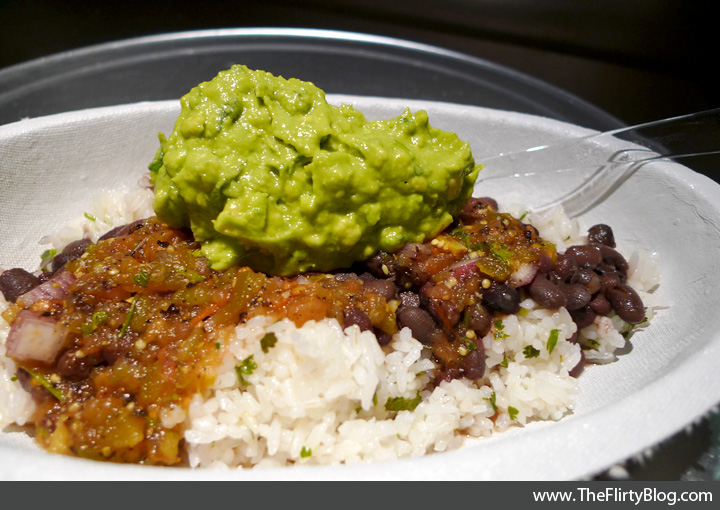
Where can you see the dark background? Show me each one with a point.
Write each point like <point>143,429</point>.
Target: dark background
<point>638,60</point>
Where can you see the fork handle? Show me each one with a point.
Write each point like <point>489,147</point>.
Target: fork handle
<point>683,136</point>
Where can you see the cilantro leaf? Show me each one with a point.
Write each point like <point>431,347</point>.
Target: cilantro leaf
<point>247,367</point>
<point>499,327</point>
<point>492,399</point>
<point>128,320</point>
<point>552,340</point>
<point>402,403</point>
<point>530,352</point>
<point>142,278</point>
<point>268,341</point>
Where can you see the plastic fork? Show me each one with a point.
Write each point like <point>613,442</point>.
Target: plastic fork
<point>694,134</point>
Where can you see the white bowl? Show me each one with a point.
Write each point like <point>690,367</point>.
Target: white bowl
<point>51,167</point>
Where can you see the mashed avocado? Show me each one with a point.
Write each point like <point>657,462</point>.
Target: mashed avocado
<point>267,174</point>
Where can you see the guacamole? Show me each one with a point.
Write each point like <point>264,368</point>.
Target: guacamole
<point>267,174</point>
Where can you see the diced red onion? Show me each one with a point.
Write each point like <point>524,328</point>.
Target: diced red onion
<point>523,275</point>
<point>34,337</point>
<point>56,288</point>
<point>464,268</point>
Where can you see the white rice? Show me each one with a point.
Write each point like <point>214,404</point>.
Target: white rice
<point>318,395</point>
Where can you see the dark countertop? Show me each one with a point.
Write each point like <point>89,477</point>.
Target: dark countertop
<point>639,61</point>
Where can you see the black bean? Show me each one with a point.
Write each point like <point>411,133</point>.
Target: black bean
<point>72,251</point>
<point>583,317</point>
<point>565,268</point>
<point>588,279</point>
<point>116,350</point>
<point>354,316</point>
<point>546,293</point>
<point>111,233</point>
<point>419,321</point>
<point>577,296</point>
<point>577,369</point>
<point>383,338</point>
<point>471,212</point>
<point>586,255</point>
<point>479,319</point>
<point>437,300</point>
<point>381,265</point>
<point>448,374</point>
<point>488,202</point>
<point>600,304</point>
<point>73,367</point>
<point>384,288</point>
<point>626,303</point>
<point>601,234</point>
<point>16,282</point>
<point>502,297</point>
<point>122,230</point>
<point>613,258</point>
<point>77,248</point>
<point>544,263</point>
<point>609,279</point>
<point>473,363</point>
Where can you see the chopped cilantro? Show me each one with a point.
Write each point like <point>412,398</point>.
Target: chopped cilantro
<point>90,216</point>
<point>247,367</point>
<point>305,452</point>
<point>500,252</point>
<point>87,328</point>
<point>462,234</point>
<point>218,345</point>
<point>128,319</point>
<point>99,317</point>
<point>481,246</point>
<point>523,215</point>
<point>630,329</point>
<point>402,403</point>
<point>504,362</point>
<point>531,352</point>
<point>47,256</point>
<point>46,384</point>
<point>14,378</point>
<point>492,399</point>
<point>268,341</point>
<point>512,412</point>
<point>552,340</point>
<point>592,343</point>
<point>142,278</point>
<point>499,327</point>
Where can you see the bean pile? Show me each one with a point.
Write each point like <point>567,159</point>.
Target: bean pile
<point>590,280</point>
<point>451,297</point>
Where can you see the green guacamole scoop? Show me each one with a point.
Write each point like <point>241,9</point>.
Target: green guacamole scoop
<point>267,174</point>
